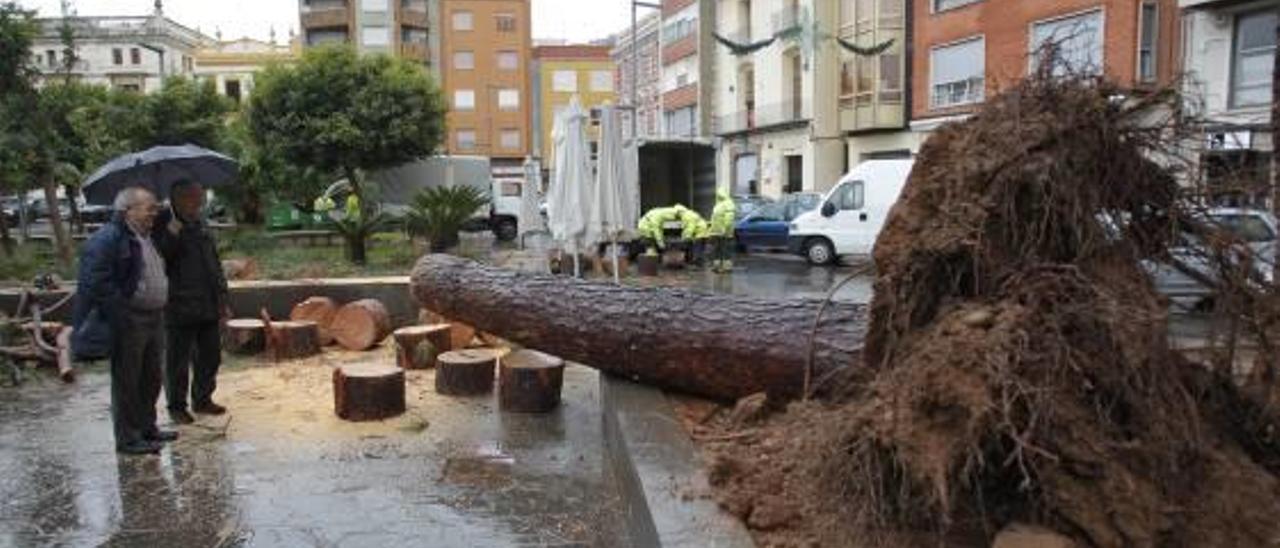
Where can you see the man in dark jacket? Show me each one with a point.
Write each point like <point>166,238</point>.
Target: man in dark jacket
<point>197,303</point>
<point>122,290</point>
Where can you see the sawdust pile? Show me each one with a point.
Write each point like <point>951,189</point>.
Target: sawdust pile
<point>1021,371</point>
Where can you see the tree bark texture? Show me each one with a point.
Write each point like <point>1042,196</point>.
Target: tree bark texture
<point>466,372</point>
<point>409,341</point>
<point>529,382</point>
<point>244,337</point>
<point>367,392</point>
<point>360,325</point>
<point>718,346</point>
<point>320,310</point>
<point>290,340</point>
<point>60,236</point>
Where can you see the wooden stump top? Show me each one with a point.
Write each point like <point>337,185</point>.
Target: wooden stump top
<point>292,324</point>
<point>420,330</point>
<point>245,323</point>
<point>531,359</point>
<point>472,356</point>
<point>369,370</point>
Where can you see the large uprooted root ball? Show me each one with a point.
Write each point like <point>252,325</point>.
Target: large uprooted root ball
<point>1021,367</point>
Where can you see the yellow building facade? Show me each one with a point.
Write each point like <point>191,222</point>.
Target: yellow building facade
<point>565,71</point>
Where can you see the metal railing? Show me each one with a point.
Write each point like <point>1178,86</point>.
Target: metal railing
<point>785,112</point>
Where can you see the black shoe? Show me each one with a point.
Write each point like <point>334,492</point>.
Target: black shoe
<point>139,448</point>
<point>181,416</point>
<point>163,436</point>
<point>209,408</point>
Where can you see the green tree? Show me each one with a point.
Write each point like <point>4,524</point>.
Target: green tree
<point>265,175</point>
<point>183,111</point>
<point>337,112</point>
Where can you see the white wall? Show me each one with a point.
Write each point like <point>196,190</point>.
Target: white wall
<point>1207,43</point>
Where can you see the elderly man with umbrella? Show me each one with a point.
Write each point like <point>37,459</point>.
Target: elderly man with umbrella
<point>141,265</point>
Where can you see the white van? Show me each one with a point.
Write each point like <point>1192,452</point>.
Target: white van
<point>850,216</point>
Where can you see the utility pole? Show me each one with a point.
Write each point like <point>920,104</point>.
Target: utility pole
<point>1275,151</point>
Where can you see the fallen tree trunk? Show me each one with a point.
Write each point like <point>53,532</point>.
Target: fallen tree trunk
<point>718,346</point>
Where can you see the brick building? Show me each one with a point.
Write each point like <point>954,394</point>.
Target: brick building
<point>967,50</point>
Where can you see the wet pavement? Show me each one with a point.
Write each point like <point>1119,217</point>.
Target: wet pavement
<point>282,470</point>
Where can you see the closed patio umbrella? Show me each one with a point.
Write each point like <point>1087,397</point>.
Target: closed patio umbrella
<point>568,198</point>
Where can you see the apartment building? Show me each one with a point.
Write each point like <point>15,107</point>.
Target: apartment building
<point>562,73</point>
<point>777,96</point>
<point>645,79</point>
<point>485,76</point>
<point>1228,52</point>
<point>686,77</point>
<point>967,50</point>
<point>395,27</point>
<point>132,53</point>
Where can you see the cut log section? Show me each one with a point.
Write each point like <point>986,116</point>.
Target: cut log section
<point>320,310</point>
<point>368,392</point>
<point>244,336</point>
<point>410,350</point>
<point>723,347</point>
<point>529,382</point>
<point>461,335</point>
<point>291,340</point>
<point>361,324</point>
<point>466,372</point>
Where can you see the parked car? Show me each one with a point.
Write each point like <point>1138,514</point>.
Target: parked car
<point>1257,228</point>
<point>40,208</point>
<point>851,213</point>
<point>745,204</point>
<point>10,210</point>
<point>768,225</point>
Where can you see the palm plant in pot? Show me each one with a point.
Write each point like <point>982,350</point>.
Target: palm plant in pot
<point>439,213</point>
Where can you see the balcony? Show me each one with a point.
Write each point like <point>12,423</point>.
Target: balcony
<point>313,6</point>
<point>681,97</point>
<point>767,117</point>
<point>679,49</point>
<point>327,14</point>
<point>415,52</point>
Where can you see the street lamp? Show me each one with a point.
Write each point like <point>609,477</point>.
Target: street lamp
<point>635,64</point>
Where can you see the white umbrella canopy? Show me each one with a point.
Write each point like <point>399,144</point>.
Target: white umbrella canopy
<point>569,197</point>
<point>530,219</point>
<point>615,207</point>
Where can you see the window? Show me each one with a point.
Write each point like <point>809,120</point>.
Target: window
<point>232,90</point>
<point>464,99</point>
<point>564,81</point>
<point>188,64</point>
<point>318,37</point>
<point>1077,39</point>
<point>413,35</point>
<point>944,5</point>
<point>511,189</point>
<point>505,22</point>
<point>466,139</point>
<point>957,73</point>
<point>375,36</point>
<point>508,99</point>
<point>135,56</point>
<point>602,80</point>
<point>51,58</point>
<point>376,6</point>
<point>890,77</point>
<point>1255,46</point>
<point>464,60</point>
<point>849,197</point>
<point>679,29</point>
<point>682,80</point>
<point>117,56</point>
<point>508,60</point>
<point>1148,26</point>
<point>462,20</point>
<point>510,139</point>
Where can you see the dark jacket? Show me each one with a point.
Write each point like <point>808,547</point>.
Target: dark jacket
<point>110,267</point>
<point>197,287</point>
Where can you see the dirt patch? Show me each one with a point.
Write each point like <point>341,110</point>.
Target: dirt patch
<point>1020,371</point>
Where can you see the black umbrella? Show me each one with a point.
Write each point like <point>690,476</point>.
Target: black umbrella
<point>158,169</point>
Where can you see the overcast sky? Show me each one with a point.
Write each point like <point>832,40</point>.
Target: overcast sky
<point>574,20</point>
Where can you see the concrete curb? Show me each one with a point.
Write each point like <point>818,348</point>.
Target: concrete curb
<point>656,468</point>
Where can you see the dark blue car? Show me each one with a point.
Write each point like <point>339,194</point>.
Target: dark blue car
<point>766,226</point>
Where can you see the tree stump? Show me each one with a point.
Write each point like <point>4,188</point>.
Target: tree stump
<point>368,392</point>
<point>244,336</point>
<point>648,264</point>
<point>673,259</point>
<point>529,382</point>
<point>361,324</point>
<point>291,340</point>
<point>320,310</point>
<point>409,341</point>
<point>466,372</point>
